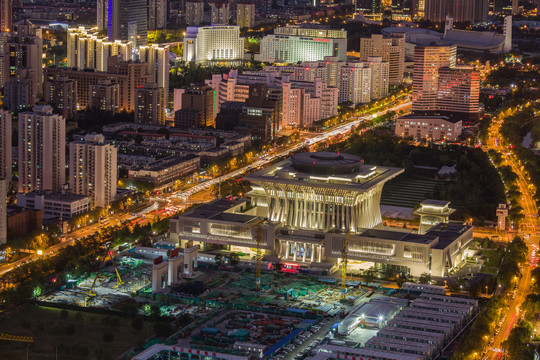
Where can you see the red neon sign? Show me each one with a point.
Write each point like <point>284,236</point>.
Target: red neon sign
<point>322,40</point>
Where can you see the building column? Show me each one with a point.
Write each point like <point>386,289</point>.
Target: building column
<point>286,249</point>
<point>295,250</point>
<point>304,253</point>
<point>320,252</point>
<point>312,251</point>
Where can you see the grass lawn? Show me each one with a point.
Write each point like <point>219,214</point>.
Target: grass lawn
<point>79,335</point>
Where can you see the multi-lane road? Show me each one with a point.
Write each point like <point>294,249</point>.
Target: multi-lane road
<point>183,197</point>
<point>528,228</point>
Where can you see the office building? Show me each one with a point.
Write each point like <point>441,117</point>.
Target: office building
<point>390,49</point>
<point>379,77</point>
<point>213,43</point>
<point>470,11</point>
<point>20,91</point>
<point>459,91</point>
<point>441,87</point>
<point>166,171</point>
<point>129,75</point>
<point>157,58</point>
<point>55,204</point>
<point>104,96</point>
<point>219,12</point>
<point>194,12</point>
<point>87,49</point>
<point>355,83</point>
<point>42,150</point>
<point>128,20</point>
<point>5,144</point>
<point>150,104</point>
<point>427,62</point>
<point>93,170</point>
<point>292,44</point>
<point>196,107</point>
<point>157,14</point>
<point>245,14</point>
<point>328,195</point>
<point>3,210</point>
<point>262,112</point>
<point>6,17</point>
<point>436,128</point>
<point>102,14</point>
<point>23,48</point>
<point>61,94</point>
<point>436,10</point>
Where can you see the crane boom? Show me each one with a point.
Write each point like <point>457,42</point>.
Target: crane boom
<point>8,337</point>
<point>344,263</point>
<point>258,239</point>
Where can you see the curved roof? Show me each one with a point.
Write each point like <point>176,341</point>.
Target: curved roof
<point>473,39</point>
<point>326,163</point>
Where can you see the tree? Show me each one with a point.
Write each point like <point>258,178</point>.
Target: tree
<point>234,258</point>
<point>218,259</point>
<point>108,337</point>
<point>137,323</point>
<point>517,345</point>
<point>163,329</point>
<point>425,278</point>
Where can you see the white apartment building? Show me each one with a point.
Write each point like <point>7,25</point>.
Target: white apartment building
<point>42,150</point>
<point>292,44</point>
<point>213,43</point>
<point>355,83</point>
<point>5,144</point>
<point>379,77</point>
<point>194,12</point>
<point>245,15</point>
<point>87,49</point>
<point>93,170</point>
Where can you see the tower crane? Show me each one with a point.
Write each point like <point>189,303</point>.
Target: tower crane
<point>9,337</point>
<point>344,263</point>
<point>258,238</point>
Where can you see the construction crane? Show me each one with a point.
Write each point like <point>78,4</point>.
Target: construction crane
<point>344,263</point>
<point>258,238</point>
<point>8,337</point>
<point>91,292</point>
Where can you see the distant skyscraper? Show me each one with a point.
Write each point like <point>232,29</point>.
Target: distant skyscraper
<point>150,104</point>
<point>379,77</point>
<point>5,144</point>
<point>157,14</point>
<point>391,50</point>
<point>515,7</point>
<point>194,14</point>
<point>24,49</point>
<point>128,20</point>
<point>245,14</point>
<point>459,91</point>
<point>21,90</point>
<point>220,13</point>
<point>427,62</point>
<point>470,11</point>
<point>93,170</point>
<point>104,96</point>
<point>355,83</point>
<point>61,94</point>
<point>6,17</point>
<point>42,150</point>
<point>436,10</point>
<point>102,14</point>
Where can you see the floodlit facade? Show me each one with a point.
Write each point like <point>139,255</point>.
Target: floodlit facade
<point>437,128</point>
<point>157,58</point>
<point>42,150</point>
<point>213,43</point>
<point>355,83</point>
<point>311,202</point>
<point>292,44</point>
<point>93,170</point>
<point>390,49</point>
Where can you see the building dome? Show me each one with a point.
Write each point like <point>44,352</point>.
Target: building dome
<point>326,163</point>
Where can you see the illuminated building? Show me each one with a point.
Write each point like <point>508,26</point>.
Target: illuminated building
<point>104,96</point>
<point>459,91</point>
<point>42,150</point>
<point>157,58</point>
<point>5,144</point>
<point>194,12</point>
<point>157,14</point>
<point>3,210</point>
<point>245,14</point>
<point>436,128</point>
<point>292,44</point>
<point>150,104</point>
<point>61,93</point>
<point>262,112</point>
<point>128,20</point>
<point>311,202</point>
<point>213,43</point>
<point>219,13</point>
<point>379,77</point>
<point>355,83</point>
<point>196,107</point>
<point>390,49</point>
<point>102,9</point>
<point>20,91</point>
<point>93,170</point>
<point>6,16</point>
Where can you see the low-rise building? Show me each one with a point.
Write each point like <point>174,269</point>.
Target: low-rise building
<point>21,220</point>
<point>437,128</point>
<point>54,205</point>
<point>166,170</point>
